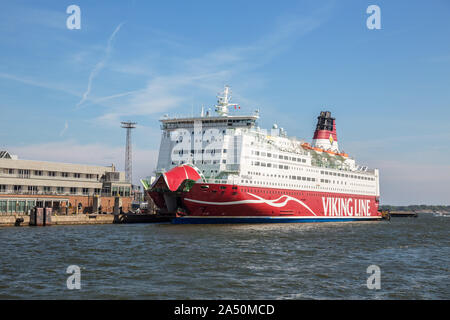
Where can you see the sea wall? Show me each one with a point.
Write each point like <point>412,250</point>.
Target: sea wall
<point>60,220</point>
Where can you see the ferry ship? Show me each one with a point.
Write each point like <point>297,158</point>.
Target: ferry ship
<point>224,168</point>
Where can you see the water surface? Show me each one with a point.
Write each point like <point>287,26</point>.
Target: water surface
<point>264,261</point>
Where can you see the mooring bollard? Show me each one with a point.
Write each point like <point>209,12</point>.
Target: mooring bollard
<point>37,217</point>
<point>18,222</point>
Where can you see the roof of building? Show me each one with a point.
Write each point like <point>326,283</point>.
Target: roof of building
<point>5,154</point>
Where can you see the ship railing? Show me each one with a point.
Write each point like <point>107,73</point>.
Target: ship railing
<point>217,181</point>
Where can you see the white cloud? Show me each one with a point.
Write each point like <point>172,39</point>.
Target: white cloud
<point>208,72</point>
<point>38,83</point>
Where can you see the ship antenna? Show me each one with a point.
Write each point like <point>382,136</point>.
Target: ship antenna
<point>223,101</point>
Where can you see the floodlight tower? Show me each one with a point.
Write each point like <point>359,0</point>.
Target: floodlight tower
<point>128,163</point>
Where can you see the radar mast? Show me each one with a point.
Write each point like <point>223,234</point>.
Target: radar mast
<point>223,102</point>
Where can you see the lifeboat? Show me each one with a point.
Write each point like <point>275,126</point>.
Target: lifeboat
<point>318,150</point>
<point>306,145</point>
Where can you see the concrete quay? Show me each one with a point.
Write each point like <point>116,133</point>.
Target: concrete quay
<point>85,219</point>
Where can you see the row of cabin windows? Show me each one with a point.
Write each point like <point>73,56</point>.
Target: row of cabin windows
<point>281,157</point>
<point>182,151</point>
<point>346,175</point>
<point>270,165</point>
<point>200,162</point>
<point>294,193</point>
<point>205,187</point>
<point>283,176</point>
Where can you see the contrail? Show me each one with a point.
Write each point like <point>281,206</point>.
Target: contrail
<point>63,131</point>
<point>99,65</point>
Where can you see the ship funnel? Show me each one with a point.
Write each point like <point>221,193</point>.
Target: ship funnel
<point>325,136</point>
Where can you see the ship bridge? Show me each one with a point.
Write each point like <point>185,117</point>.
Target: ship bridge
<point>208,122</point>
<point>222,118</point>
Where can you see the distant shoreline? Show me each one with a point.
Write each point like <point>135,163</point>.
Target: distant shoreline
<point>416,208</point>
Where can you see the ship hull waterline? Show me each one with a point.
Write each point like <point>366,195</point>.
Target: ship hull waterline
<point>225,204</point>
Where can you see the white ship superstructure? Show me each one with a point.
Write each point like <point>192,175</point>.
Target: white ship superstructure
<point>229,149</point>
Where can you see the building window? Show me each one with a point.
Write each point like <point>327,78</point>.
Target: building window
<point>60,190</point>
<point>24,173</point>
<point>47,189</point>
<point>38,172</point>
<point>2,188</point>
<point>77,175</point>
<point>64,174</point>
<point>85,191</point>
<point>73,190</point>
<point>3,205</point>
<point>51,173</point>
<point>17,188</point>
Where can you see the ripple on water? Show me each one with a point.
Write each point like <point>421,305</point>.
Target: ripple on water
<point>270,261</point>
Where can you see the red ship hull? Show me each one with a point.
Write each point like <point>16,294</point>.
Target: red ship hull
<point>221,203</point>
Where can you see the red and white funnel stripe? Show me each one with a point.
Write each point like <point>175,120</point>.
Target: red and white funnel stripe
<point>325,136</point>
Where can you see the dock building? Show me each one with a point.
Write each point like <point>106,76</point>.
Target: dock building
<point>65,187</point>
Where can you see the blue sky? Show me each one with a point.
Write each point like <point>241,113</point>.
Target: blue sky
<point>389,89</point>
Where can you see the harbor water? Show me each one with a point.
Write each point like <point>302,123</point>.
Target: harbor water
<point>264,261</point>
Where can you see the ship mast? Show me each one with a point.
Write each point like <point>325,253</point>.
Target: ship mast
<point>223,102</point>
